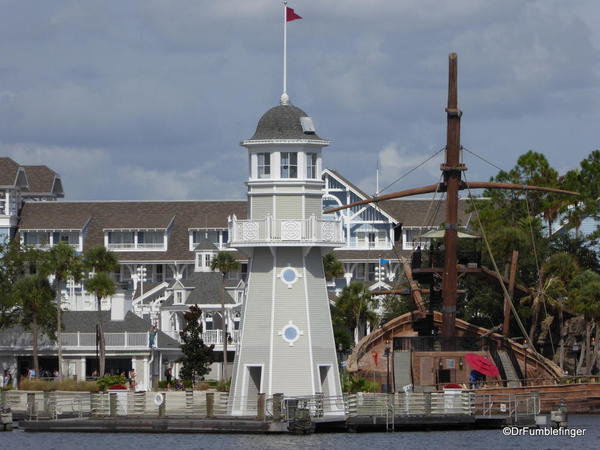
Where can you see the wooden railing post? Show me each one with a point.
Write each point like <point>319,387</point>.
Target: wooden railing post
<point>261,406</point>
<point>210,404</point>
<point>162,409</point>
<point>189,399</point>
<point>112,404</point>
<point>277,402</point>
<point>427,398</point>
<point>31,406</point>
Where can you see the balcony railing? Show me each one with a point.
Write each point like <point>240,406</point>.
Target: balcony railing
<point>113,341</point>
<point>211,336</point>
<point>138,246</point>
<point>286,231</point>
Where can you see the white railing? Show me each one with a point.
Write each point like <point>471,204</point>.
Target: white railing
<point>78,340</point>
<point>211,336</point>
<point>138,246</point>
<point>292,231</point>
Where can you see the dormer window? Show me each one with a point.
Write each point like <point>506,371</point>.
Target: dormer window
<point>178,298</point>
<point>289,165</point>
<point>204,260</point>
<point>264,165</point>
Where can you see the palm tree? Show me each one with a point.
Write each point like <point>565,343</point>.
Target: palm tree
<point>99,259</point>
<point>100,262</point>
<point>34,295</point>
<point>356,305</point>
<point>61,262</point>
<point>225,263</point>
<point>332,266</point>
<point>102,286</point>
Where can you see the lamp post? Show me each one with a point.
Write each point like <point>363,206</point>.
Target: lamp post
<point>387,354</point>
<point>525,346</point>
<point>141,273</point>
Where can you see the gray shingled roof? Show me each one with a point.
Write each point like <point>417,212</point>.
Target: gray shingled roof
<point>282,122</point>
<point>8,171</point>
<point>43,180</point>
<point>206,244</point>
<point>414,213</point>
<point>206,290</point>
<point>69,215</point>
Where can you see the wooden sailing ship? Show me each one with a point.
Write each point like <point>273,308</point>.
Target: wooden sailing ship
<point>425,349</point>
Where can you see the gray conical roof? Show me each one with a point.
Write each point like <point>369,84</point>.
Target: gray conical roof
<point>282,122</point>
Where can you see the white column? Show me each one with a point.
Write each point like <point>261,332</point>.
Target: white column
<point>82,369</point>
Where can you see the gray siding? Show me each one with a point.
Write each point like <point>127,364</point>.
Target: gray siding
<point>288,207</point>
<point>261,207</point>
<point>312,206</point>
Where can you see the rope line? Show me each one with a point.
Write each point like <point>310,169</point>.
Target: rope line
<point>483,159</point>
<point>411,170</point>
<point>504,290</point>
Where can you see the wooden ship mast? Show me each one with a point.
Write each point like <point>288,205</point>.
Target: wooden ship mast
<point>451,183</point>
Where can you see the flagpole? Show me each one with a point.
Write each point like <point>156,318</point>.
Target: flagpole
<point>284,49</point>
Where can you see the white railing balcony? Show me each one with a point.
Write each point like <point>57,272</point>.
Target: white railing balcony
<point>137,246</point>
<point>286,232</point>
<point>124,340</point>
<point>211,336</point>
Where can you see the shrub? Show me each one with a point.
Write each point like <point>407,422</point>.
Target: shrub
<point>353,384</point>
<point>162,384</point>
<point>110,380</point>
<point>28,384</point>
<point>203,386</point>
<point>223,386</point>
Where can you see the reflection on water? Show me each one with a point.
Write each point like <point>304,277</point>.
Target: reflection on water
<point>436,440</point>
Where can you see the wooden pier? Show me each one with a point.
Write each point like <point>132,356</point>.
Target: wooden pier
<point>201,412</point>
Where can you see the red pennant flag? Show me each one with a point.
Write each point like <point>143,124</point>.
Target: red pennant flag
<point>291,15</point>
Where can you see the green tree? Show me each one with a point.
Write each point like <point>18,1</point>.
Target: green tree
<point>34,295</point>
<point>197,357</point>
<point>102,286</point>
<point>225,263</point>
<point>100,262</point>
<point>16,261</point>
<point>61,262</point>
<point>356,306</point>
<point>395,305</point>
<point>585,299</point>
<point>332,266</point>
<point>99,259</point>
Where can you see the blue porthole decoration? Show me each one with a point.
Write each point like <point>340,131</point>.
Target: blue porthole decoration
<point>290,333</point>
<point>289,276</point>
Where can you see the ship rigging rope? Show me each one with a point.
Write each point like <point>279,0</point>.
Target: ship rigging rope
<point>483,159</point>
<point>504,290</point>
<point>537,266</point>
<point>405,174</point>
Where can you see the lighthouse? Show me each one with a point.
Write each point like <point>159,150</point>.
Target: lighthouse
<point>287,343</point>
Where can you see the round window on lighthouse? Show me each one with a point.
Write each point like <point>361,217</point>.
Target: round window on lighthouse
<point>290,333</point>
<point>288,276</point>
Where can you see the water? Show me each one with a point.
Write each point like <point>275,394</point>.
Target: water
<point>433,440</point>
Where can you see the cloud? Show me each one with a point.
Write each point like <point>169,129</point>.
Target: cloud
<point>131,90</point>
<point>396,162</point>
<point>197,183</point>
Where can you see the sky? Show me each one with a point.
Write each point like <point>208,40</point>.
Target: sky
<point>149,99</point>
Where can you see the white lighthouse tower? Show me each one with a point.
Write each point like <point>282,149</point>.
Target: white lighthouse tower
<point>287,343</point>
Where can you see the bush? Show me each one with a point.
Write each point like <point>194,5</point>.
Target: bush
<point>28,384</point>
<point>163,384</point>
<point>110,380</point>
<point>353,384</point>
<point>223,386</point>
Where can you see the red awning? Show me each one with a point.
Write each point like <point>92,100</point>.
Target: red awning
<point>482,365</point>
